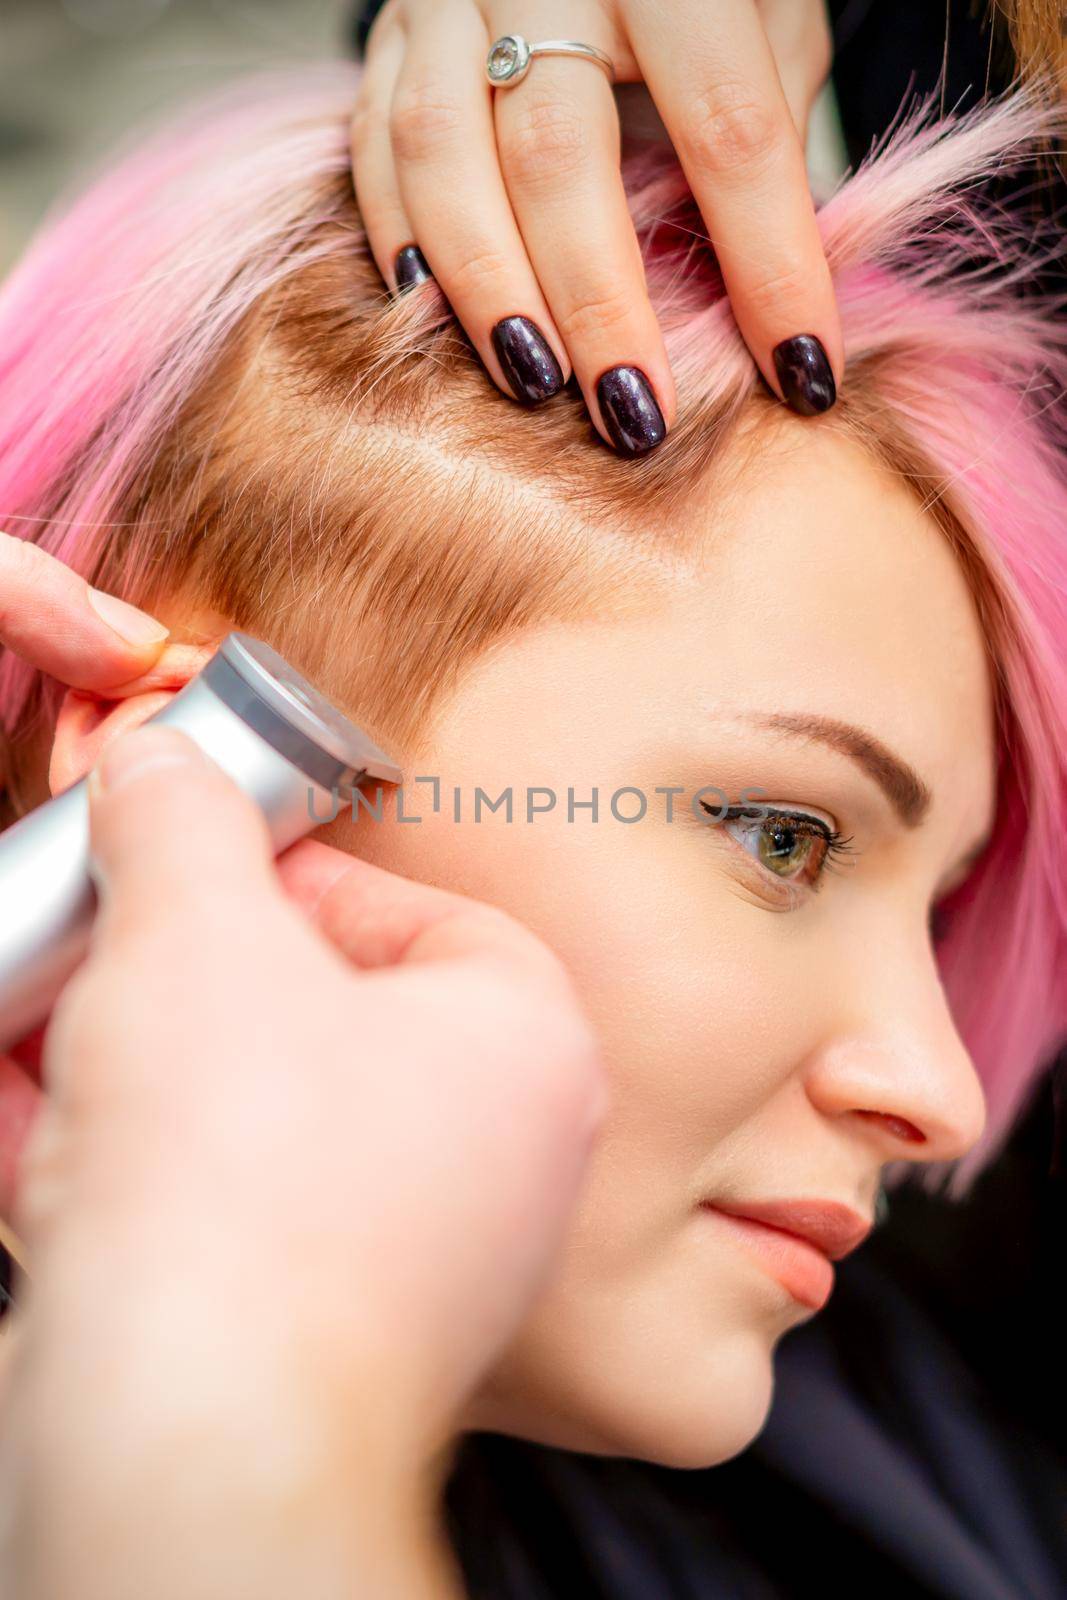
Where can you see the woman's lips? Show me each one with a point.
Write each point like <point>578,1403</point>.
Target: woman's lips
<point>795,1240</point>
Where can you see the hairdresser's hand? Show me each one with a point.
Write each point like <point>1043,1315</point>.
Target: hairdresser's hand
<point>88,640</point>
<point>514,196</point>
<point>51,617</point>
<point>306,1156</point>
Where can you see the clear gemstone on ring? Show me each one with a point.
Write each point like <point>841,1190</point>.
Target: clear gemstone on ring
<point>506,58</point>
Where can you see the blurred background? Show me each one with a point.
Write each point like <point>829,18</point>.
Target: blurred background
<point>78,76</point>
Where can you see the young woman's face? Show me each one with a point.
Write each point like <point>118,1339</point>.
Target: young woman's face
<point>771,1012</point>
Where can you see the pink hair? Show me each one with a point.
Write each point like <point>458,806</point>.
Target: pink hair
<point>116,314</point>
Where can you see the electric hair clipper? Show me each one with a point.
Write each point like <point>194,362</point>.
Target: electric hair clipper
<point>276,736</point>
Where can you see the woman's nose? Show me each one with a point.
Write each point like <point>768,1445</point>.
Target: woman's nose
<point>897,1064</point>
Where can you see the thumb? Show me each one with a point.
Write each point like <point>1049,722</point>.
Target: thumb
<point>172,838</point>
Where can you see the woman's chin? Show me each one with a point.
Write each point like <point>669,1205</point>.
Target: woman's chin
<point>655,1415</point>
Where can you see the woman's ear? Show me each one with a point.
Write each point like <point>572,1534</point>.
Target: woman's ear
<point>88,721</point>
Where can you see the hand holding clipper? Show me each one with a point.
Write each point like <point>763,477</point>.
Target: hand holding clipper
<point>270,730</point>
<point>256,1201</point>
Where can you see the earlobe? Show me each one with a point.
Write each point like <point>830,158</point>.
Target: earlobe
<point>87,721</point>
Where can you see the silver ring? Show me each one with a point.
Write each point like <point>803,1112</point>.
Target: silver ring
<point>509,57</point>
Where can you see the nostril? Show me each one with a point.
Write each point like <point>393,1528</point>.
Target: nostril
<point>899,1127</point>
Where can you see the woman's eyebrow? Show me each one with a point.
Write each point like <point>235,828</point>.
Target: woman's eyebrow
<point>900,783</point>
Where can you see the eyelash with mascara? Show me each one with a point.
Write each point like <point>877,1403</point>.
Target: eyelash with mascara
<point>835,844</point>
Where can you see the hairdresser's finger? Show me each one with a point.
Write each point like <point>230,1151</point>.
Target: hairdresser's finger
<point>713,77</point>
<point>377,918</point>
<point>799,34</point>
<point>178,851</point>
<point>444,147</point>
<point>385,221</point>
<point>173,668</point>
<point>51,616</point>
<point>558,135</point>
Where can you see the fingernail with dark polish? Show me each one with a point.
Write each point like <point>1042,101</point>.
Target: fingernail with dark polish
<point>629,409</point>
<point>410,267</point>
<point>529,363</point>
<point>805,374</point>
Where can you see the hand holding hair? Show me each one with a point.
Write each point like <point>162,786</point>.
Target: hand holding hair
<point>510,194</point>
<point>305,1158</point>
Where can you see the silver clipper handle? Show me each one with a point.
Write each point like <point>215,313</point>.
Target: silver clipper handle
<point>276,736</point>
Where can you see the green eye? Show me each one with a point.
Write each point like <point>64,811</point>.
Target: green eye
<point>784,847</point>
<point>790,845</point>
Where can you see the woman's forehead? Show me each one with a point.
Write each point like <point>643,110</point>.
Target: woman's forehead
<point>822,566</point>
<point>821,589</point>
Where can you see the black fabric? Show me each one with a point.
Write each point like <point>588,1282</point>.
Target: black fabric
<point>885,52</point>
